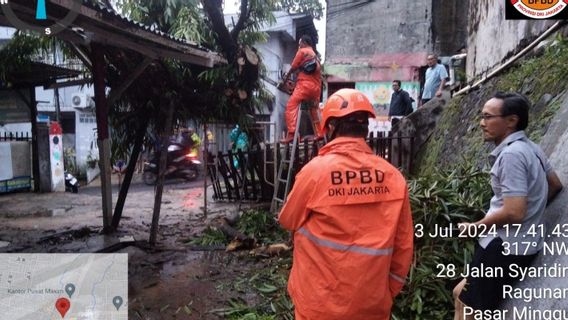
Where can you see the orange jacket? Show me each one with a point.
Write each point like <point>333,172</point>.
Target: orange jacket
<point>353,234</point>
<point>314,79</point>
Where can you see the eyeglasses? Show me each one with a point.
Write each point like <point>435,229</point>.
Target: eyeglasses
<point>486,116</point>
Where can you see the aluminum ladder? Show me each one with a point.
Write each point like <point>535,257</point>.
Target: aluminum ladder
<point>287,162</point>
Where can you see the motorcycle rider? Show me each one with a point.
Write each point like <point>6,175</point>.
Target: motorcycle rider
<point>189,141</point>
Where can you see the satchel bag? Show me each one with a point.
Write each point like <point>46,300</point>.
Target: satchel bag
<point>310,66</point>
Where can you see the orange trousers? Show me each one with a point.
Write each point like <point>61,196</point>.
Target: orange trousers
<point>303,92</point>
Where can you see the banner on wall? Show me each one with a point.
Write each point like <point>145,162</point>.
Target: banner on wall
<point>379,93</point>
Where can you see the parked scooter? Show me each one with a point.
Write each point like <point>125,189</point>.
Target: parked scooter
<point>182,164</point>
<point>71,183</point>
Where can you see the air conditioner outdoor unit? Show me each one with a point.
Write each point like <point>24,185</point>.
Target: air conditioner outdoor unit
<point>79,100</point>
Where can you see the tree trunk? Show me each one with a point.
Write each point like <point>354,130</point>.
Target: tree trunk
<point>249,70</point>
<point>162,170</point>
<point>214,11</point>
<point>129,173</point>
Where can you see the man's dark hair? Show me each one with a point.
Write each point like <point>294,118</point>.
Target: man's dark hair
<point>398,82</point>
<point>307,39</point>
<point>355,125</point>
<point>515,104</point>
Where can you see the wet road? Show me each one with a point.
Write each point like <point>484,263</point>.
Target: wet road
<point>138,185</point>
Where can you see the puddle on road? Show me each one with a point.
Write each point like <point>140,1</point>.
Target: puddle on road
<point>186,283</point>
<point>193,199</point>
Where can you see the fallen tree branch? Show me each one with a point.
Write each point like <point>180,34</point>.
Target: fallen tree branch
<point>238,240</point>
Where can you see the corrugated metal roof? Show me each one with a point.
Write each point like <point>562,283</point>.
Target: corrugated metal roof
<point>113,14</point>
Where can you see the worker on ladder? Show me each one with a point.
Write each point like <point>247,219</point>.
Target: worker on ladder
<point>349,212</point>
<point>308,87</point>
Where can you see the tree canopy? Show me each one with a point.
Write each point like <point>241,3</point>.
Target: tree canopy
<point>226,92</point>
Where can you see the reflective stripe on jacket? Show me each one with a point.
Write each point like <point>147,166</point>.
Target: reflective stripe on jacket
<point>353,234</point>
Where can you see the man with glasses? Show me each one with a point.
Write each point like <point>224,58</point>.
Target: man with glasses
<point>523,182</point>
<point>436,75</point>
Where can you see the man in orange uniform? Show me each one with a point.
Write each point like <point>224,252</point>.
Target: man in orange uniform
<point>350,214</point>
<point>308,86</point>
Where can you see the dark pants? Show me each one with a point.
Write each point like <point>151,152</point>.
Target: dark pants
<point>486,293</point>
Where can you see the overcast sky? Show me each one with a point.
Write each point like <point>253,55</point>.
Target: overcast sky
<point>231,7</point>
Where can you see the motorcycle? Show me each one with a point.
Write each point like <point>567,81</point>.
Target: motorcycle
<point>182,163</point>
<point>71,183</point>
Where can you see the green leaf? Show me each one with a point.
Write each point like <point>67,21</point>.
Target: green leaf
<point>267,288</point>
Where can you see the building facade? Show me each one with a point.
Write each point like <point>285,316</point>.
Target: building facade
<point>76,110</point>
<point>371,43</point>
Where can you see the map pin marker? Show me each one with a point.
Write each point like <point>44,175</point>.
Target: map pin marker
<point>62,305</point>
<point>117,301</point>
<point>70,289</point>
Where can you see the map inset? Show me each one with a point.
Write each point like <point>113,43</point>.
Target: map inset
<point>64,286</point>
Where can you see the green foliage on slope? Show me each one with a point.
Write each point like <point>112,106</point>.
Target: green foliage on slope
<point>458,138</point>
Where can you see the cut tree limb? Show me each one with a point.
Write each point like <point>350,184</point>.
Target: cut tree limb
<point>229,231</point>
<point>271,250</point>
<point>251,56</point>
<point>239,240</point>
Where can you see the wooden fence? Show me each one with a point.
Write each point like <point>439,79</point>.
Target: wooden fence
<point>238,176</point>
<point>250,175</point>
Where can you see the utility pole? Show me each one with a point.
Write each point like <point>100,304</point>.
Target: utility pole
<point>56,90</point>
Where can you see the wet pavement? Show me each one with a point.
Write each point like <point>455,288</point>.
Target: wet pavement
<point>169,281</point>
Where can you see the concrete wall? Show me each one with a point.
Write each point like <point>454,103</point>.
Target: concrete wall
<point>449,26</point>
<point>382,41</point>
<point>85,137</point>
<point>277,54</point>
<point>376,41</point>
<point>376,27</point>
<point>492,38</point>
